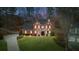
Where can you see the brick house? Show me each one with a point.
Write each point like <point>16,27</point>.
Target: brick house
<point>40,29</point>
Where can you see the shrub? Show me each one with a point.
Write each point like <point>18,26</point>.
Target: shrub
<point>19,37</point>
<point>1,37</point>
<point>60,39</point>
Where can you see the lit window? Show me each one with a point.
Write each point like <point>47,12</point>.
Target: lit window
<point>46,26</point>
<point>35,32</point>
<point>42,26</point>
<point>31,32</point>
<point>38,26</point>
<point>49,27</point>
<point>25,32</point>
<point>35,27</point>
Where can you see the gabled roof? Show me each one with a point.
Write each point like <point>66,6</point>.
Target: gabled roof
<point>29,25</point>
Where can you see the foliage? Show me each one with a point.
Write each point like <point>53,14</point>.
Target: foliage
<point>7,10</point>
<point>30,11</point>
<point>3,45</point>
<point>60,41</point>
<point>50,11</point>
<point>68,17</point>
<point>74,46</point>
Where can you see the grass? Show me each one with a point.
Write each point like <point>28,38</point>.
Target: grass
<point>38,44</point>
<point>3,45</point>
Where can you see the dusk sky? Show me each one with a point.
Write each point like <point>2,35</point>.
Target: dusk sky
<point>37,10</point>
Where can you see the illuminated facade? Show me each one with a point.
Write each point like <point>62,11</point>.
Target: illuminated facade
<point>40,29</point>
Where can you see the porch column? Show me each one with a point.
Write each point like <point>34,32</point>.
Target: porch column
<point>37,34</point>
<point>49,33</point>
<point>45,33</point>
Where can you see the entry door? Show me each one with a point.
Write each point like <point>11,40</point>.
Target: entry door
<point>42,33</point>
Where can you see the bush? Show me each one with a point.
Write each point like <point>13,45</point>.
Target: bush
<point>1,37</point>
<point>3,45</point>
<point>52,34</point>
<point>19,37</point>
<point>60,39</point>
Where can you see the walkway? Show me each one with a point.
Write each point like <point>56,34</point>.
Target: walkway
<point>11,39</point>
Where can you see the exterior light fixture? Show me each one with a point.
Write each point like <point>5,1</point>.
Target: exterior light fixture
<point>25,32</point>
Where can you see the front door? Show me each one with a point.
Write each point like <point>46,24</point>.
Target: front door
<point>42,33</point>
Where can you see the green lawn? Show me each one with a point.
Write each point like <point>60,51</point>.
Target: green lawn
<point>3,45</point>
<point>38,44</point>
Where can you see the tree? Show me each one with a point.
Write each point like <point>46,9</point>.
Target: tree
<point>30,11</point>
<point>67,17</point>
<point>7,10</point>
<point>8,19</point>
<point>50,11</point>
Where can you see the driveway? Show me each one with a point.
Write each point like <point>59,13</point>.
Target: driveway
<point>11,40</point>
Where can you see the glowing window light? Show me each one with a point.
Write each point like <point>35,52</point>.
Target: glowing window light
<point>49,27</point>
<point>35,32</point>
<point>25,32</point>
<point>31,32</point>
<point>35,27</point>
<point>42,27</point>
<point>46,26</point>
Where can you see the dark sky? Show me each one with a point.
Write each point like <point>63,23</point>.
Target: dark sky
<point>37,10</point>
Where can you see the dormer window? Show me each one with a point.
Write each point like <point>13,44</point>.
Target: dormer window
<point>48,20</point>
